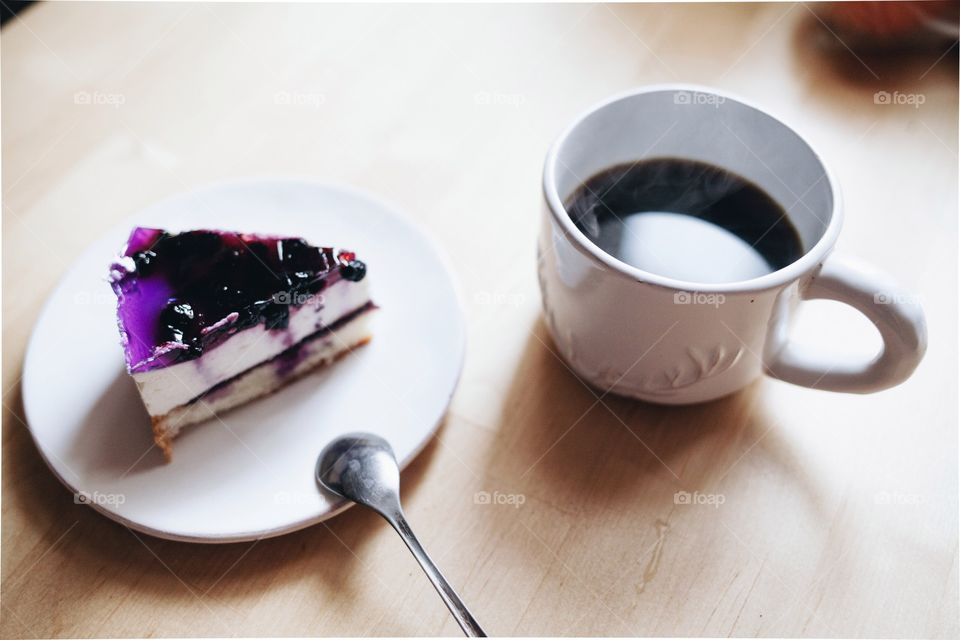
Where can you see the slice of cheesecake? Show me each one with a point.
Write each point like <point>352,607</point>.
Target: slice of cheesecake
<point>211,319</point>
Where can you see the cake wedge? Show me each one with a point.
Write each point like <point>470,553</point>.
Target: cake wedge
<point>210,320</point>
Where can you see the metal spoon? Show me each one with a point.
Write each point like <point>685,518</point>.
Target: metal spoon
<point>361,467</point>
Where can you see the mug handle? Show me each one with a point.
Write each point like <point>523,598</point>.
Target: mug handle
<point>896,314</point>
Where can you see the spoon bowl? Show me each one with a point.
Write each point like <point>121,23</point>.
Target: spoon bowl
<point>361,467</point>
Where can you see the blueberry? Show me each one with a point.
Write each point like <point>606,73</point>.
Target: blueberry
<point>354,271</point>
<point>143,259</point>
<point>178,317</point>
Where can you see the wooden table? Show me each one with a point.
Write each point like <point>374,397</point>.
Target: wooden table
<point>839,513</point>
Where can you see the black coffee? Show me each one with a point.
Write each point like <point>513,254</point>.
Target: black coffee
<point>686,220</point>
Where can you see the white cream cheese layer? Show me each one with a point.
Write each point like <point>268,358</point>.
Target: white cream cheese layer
<point>169,387</point>
<point>264,379</point>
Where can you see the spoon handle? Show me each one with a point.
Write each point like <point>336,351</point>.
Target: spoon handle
<point>471,628</point>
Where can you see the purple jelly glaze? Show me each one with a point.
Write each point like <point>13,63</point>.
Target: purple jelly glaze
<point>180,294</point>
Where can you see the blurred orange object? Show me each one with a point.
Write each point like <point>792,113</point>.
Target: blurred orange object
<point>892,23</point>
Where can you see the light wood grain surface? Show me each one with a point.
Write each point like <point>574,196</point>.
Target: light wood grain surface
<point>839,514</point>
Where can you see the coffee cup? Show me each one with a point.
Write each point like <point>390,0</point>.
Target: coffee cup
<point>661,338</point>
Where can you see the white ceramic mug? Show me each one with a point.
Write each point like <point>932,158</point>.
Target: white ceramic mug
<point>664,340</point>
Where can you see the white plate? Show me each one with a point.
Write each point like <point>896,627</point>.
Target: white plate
<point>251,475</point>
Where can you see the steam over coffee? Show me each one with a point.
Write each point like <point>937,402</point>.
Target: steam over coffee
<point>685,219</point>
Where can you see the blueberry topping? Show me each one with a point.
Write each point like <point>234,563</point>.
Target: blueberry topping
<point>198,287</point>
<point>276,315</point>
<point>142,261</point>
<point>183,310</point>
<point>354,271</point>
<point>178,318</point>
